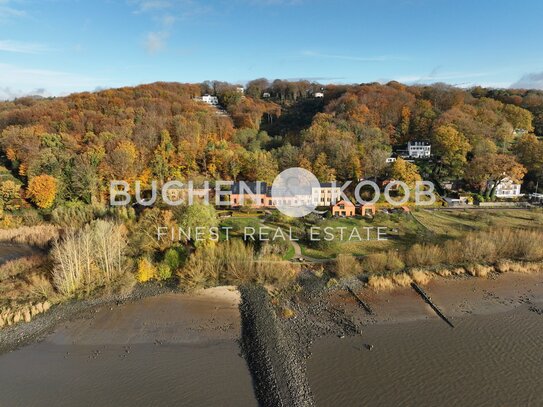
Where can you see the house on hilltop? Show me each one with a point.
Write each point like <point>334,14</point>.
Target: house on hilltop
<point>210,100</point>
<point>419,149</point>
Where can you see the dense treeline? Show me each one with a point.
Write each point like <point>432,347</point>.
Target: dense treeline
<point>67,149</point>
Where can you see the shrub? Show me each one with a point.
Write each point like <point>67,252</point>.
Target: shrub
<point>381,262</point>
<point>380,283</point>
<point>374,263</point>
<point>347,265</point>
<point>146,270</point>
<point>9,195</point>
<point>163,272</point>
<point>172,258</point>
<point>72,215</point>
<point>479,270</point>
<point>420,276</point>
<point>423,255</point>
<point>39,286</point>
<point>201,269</point>
<point>234,262</point>
<point>238,261</point>
<point>402,279</point>
<point>274,270</point>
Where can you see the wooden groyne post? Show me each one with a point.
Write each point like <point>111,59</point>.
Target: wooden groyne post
<point>360,301</point>
<point>429,301</point>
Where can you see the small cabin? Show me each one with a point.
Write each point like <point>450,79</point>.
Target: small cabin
<point>343,209</point>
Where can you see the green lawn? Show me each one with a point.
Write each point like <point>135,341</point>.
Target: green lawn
<point>401,230</point>
<point>238,225</point>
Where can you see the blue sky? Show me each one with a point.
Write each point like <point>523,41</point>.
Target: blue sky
<point>54,47</point>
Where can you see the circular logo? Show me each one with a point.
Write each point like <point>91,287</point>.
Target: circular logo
<point>293,192</point>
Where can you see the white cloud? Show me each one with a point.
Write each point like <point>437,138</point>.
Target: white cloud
<point>22,47</point>
<point>378,58</point>
<point>7,12</point>
<point>466,78</point>
<point>532,80</point>
<point>165,13</point>
<point>155,42</point>
<point>19,81</point>
<point>143,6</point>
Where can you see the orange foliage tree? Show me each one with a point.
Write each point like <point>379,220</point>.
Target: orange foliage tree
<point>42,190</point>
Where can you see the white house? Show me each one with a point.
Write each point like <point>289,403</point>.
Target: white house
<point>266,95</point>
<point>240,90</point>
<point>327,194</point>
<point>210,100</point>
<point>506,188</point>
<point>419,149</point>
<point>319,95</point>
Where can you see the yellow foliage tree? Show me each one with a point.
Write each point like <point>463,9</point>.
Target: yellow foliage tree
<point>146,270</point>
<point>405,171</point>
<point>42,189</point>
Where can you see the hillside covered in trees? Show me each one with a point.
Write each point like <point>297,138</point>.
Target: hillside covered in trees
<point>58,156</point>
<point>67,149</point>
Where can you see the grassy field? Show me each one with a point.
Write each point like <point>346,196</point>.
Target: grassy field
<point>451,224</point>
<point>238,224</point>
<point>402,229</point>
<point>422,226</point>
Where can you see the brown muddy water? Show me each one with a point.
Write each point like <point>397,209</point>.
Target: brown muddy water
<point>486,360</point>
<point>170,350</point>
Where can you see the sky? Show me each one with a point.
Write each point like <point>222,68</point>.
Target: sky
<point>56,47</point>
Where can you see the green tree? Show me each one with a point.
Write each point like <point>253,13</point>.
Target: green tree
<point>194,218</point>
<point>10,196</point>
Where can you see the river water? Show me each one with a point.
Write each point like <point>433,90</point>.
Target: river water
<point>486,360</point>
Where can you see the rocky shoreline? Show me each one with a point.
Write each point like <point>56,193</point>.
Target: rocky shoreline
<point>278,372</point>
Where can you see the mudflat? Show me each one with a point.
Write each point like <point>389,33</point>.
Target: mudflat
<point>172,349</point>
<point>492,357</point>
